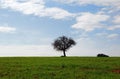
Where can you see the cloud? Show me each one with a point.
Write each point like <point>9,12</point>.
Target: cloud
<point>7,29</point>
<point>89,22</point>
<point>115,22</point>
<point>116,19</point>
<point>89,47</point>
<point>35,7</point>
<point>109,6</point>
<point>102,34</point>
<point>57,13</point>
<point>85,47</point>
<point>109,14</point>
<point>28,50</point>
<point>113,36</point>
<point>114,27</point>
<point>107,35</point>
<point>95,2</point>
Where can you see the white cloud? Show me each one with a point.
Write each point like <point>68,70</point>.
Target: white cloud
<point>57,13</point>
<point>84,47</point>
<point>28,50</point>
<point>95,2</point>
<point>89,21</point>
<point>117,19</point>
<point>113,36</point>
<point>35,7</point>
<point>114,27</point>
<point>115,23</point>
<point>110,9</point>
<point>7,29</point>
<point>102,34</point>
<point>89,47</point>
<point>110,6</point>
<point>108,36</point>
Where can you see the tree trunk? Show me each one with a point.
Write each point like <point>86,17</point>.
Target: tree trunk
<point>64,54</point>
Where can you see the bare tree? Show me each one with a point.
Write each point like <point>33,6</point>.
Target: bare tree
<point>63,44</point>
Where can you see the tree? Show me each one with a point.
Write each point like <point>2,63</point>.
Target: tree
<point>63,44</point>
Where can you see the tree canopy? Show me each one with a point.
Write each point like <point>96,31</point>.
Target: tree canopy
<point>63,43</point>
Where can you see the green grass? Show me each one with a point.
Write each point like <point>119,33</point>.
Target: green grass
<point>59,68</point>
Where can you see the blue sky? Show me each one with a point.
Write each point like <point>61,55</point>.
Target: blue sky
<point>28,27</point>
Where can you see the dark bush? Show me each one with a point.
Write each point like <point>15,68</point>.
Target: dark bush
<point>102,55</point>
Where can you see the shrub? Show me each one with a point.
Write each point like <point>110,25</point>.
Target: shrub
<point>102,55</point>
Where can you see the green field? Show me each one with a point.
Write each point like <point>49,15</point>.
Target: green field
<point>59,68</point>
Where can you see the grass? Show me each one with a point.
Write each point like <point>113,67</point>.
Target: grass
<point>59,68</point>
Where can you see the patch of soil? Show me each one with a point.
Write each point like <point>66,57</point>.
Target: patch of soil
<point>116,71</point>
